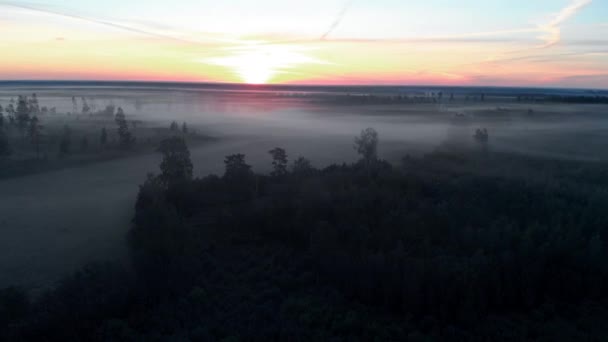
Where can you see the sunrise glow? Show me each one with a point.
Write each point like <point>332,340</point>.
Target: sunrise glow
<point>547,43</point>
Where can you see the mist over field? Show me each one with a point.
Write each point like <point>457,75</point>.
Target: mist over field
<point>76,189</point>
<point>55,221</point>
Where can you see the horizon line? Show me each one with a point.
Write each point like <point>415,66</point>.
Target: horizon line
<point>304,85</point>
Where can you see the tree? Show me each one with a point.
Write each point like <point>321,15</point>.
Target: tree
<point>176,166</point>
<point>1,117</point>
<point>65,142</point>
<point>34,107</point>
<point>34,134</point>
<point>174,127</point>
<point>85,106</point>
<point>301,166</point>
<point>184,128</point>
<point>10,112</point>
<point>124,135</point>
<point>279,161</point>
<point>103,138</point>
<point>5,148</point>
<point>236,168</point>
<point>22,114</point>
<point>366,145</point>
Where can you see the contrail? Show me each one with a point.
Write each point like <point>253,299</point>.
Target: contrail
<point>338,19</point>
<point>553,30</point>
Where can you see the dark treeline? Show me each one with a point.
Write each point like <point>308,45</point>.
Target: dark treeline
<point>451,246</point>
<point>447,98</point>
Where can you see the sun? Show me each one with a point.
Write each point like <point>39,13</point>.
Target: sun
<point>259,64</point>
<point>256,67</point>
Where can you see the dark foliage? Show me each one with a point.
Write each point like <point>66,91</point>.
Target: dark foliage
<point>459,247</point>
<point>176,166</point>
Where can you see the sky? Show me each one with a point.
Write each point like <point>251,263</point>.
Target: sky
<point>557,43</point>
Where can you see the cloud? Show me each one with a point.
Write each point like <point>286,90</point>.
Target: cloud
<point>552,29</point>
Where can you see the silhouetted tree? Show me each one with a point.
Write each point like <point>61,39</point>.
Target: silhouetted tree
<point>184,128</point>
<point>85,106</point>
<point>366,144</point>
<point>103,138</point>
<point>176,166</point>
<point>237,171</point>
<point>34,134</point>
<point>10,112</point>
<point>1,117</point>
<point>174,126</point>
<point>279,161</point>
<point>301,166</point>
<point>125,137</point>
<point>22,114</point>
<point>34,107</point>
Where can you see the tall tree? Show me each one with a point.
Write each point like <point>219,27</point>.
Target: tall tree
<point>366,144</point>
<point>176,166</point>
<point>184,128</point>
<point>34,107</point>
<point>22,114</point>
<point>236,167</point>
<point>124,135</point>
<point>174,126</point>
<point>279,161</point>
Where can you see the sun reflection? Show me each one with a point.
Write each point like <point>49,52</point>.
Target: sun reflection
<point>258,64</point>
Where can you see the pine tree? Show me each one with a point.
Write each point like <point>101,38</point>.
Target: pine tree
<point>22,114</point>
<point>176,166</point>
<point>279,161</point>
<point>184,128</point>
<point>124,135</point>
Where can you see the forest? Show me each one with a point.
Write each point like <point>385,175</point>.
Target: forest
<point>457,245</point>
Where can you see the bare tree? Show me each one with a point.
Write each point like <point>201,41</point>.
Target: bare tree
<point>366,145</point>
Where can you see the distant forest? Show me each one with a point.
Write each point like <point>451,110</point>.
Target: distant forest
<point>456,245</point>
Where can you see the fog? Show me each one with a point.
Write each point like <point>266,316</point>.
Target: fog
<point>52,223</point>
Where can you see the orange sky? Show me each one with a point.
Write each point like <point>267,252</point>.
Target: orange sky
<point>58,42</point>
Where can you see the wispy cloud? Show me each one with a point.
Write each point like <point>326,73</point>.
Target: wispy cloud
<point>552,30</point>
